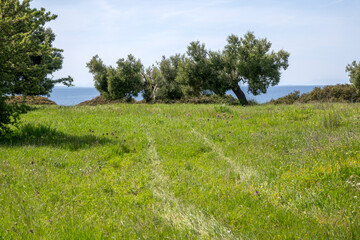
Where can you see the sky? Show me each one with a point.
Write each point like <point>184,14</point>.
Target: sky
<point>322,36</point>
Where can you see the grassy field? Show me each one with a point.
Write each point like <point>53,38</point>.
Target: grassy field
<point>182,172</point>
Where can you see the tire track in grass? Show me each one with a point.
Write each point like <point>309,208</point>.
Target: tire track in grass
<point>245,173</point>
<point>173,210</point>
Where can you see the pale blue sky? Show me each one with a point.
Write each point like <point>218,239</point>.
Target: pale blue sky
<point>322,36</point>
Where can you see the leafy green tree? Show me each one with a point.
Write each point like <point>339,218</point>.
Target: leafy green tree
<point>195,71</point>
<point>126,80</point>
<point>161,82</point>
<point>250,61</point>
<point>169,68</point>
<point>354,73</point>
<point>38,82</point>
<point>27,56</point>
<point>99,70</point>
<point>217,84</point>
<point>153,80</point>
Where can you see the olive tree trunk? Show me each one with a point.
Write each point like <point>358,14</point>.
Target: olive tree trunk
<point>240,94</point>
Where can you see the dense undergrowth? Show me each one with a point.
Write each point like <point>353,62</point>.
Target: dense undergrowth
<point>344,93</point>
<point>182,171</point>
<point>202,99</point>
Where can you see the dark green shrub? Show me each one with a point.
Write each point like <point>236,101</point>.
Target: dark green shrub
<point>288,99</point>
<point>9,114</point>
<point>337,93</point>
<point>210,99</point>
<point>5,116</point>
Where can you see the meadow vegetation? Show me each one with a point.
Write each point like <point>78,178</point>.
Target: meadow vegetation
<point>182,171</point>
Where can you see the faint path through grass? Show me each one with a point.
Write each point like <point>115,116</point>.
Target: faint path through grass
<point>173,210</point>
<point>245,173</point>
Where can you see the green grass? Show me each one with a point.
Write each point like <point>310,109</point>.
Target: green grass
<point>182,172</point>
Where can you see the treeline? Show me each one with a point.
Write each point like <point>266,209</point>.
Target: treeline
<point>245,60</point>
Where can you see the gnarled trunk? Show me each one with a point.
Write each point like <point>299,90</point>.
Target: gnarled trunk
<point>155,88</point>
<point>240,94</point>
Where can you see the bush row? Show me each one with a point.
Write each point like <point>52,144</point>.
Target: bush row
<point>338,93</point>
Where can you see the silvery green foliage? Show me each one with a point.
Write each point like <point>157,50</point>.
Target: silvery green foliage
<point>123,81</point>
<point>126,80</point>
<point>99,70</point>
<point>245,60</point>
<point>354,73</point>
<point>251,61</point>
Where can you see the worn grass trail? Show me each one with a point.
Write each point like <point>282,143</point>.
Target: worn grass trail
<point>173,209</point>
<point>182,172</point>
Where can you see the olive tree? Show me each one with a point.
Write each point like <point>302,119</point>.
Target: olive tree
<point>354,73</point>
<point>126,79</point>
<point>169,68</point>
<point>153,80</point>
<point>251,61</point>
<point>194,71</point>
<point>123,81</point>
<point>99,70</point>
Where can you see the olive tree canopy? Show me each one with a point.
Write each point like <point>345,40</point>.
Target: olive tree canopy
<point>354,73</point>
<point>251,61</point>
